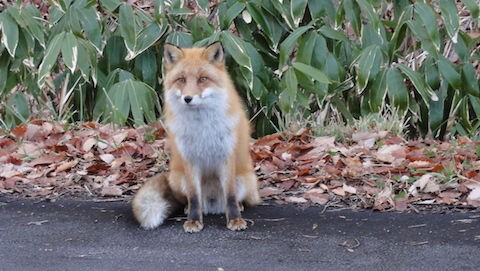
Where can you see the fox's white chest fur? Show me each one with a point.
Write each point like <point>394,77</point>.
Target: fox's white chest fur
<point>204,132</point>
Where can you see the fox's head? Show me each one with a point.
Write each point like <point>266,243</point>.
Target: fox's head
<point>195,77</point>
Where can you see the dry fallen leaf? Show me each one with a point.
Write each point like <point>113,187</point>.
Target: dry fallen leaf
<point>391,154</point>
<point>426,184</point>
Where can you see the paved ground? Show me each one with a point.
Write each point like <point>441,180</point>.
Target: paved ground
<point>82,235</point>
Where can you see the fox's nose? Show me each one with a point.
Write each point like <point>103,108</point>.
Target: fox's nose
<point>188,99</point>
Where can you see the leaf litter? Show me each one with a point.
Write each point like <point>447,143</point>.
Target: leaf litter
<point>379,170</point>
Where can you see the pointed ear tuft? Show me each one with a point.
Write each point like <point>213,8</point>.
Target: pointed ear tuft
<point>171,54</point>
<point>214,52</point>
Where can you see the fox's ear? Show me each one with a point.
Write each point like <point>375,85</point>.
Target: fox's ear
<point>214,52</point>
<point>171,54</point>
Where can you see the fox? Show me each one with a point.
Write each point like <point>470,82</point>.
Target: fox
<point>211,170</point>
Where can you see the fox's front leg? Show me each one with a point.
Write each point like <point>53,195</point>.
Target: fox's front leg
<point>194,212</point>
<point>235,222</point>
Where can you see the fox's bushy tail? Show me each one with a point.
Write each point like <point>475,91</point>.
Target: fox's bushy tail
<point>154,202</point>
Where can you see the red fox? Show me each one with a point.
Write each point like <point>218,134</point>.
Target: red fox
<point>211,169</point>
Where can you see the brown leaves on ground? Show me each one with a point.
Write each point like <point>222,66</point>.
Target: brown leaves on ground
<point>375,170</point>
<point>51,159</point>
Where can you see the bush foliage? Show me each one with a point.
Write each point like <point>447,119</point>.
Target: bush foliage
<point>101,60</point>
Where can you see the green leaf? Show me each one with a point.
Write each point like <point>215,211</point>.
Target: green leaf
<point>330,33</point>
<point>428,16</point>
<point>289,95</point>
<point>396,89</point>
<point>287,46</point>
<point>9,30</point>
<point>374,98</point>
<point>143,101</point>
<point>92,27</point>
<point>181,39</point>
<point>32,16</point>
<point>50,58</point>
<point>146,39</point>
<point>4,63</point>
<point>127,25</point>
<point>470,81</point>
<point>146,66</point>
<point>320,9</point>
<point>110,5</point>
<point>432,76</point>
<point>297,10</point>
<point>352,11</point>
<point>69,51</point>
<point>314,73</point>
<point>232,12</point>
<point>236,48</point>
<point>447,70</point>
<point>368,66</point>
<point>450,18</point>
<point>420,85</point>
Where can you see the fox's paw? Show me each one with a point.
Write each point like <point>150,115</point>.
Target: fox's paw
<point>192,226</point>
<point>237,224</point>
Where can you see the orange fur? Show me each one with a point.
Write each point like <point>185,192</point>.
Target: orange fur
<point>210,167</point>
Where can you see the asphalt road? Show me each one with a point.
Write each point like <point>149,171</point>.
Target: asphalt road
<point>85,235</point>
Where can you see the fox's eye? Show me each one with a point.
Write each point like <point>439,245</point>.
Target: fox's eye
<point>181,80</point>
<point>202,79</point>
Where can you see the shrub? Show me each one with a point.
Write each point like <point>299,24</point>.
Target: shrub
<point>102,59</point>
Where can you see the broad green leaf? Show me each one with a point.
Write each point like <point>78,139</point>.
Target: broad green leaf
<point>306,47</point>
<point>262,20</point>
<point>329,32</point>
<point>118,102</point>
<point>32,16</point>
<point>420,85</point>
<point>147,38</point>
<point>470,81</point>
<point>287,46</point>
<point>92,27</point>
<point>146,66</point>
<point>378,92</point>
<point>368,66</point>
<point>115,53</point>
<point>50,58</point>
<point>428,16</point>
<point>314,73</point>
<point>69,51</point>
<point>4,63</point>
<point>436,111</point>
<point>432,76</point>
<point>399,32</point>
<point>110,5</point>
<point>143,101</point>
<point>321,9</point>
<point>368,9</point>
<point>9,30</point>
<point>127,25</point>
<point>297,10</point>
<point>182,39</point>
<point>236,48</point>
<point>83,62</point>
<point>232,12</point>
<point>289,95</point>
<point>447,70</point>
<point>352,11</point>
<point>450,18</point>
<point>17,106</point>
<point>396,89</point>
